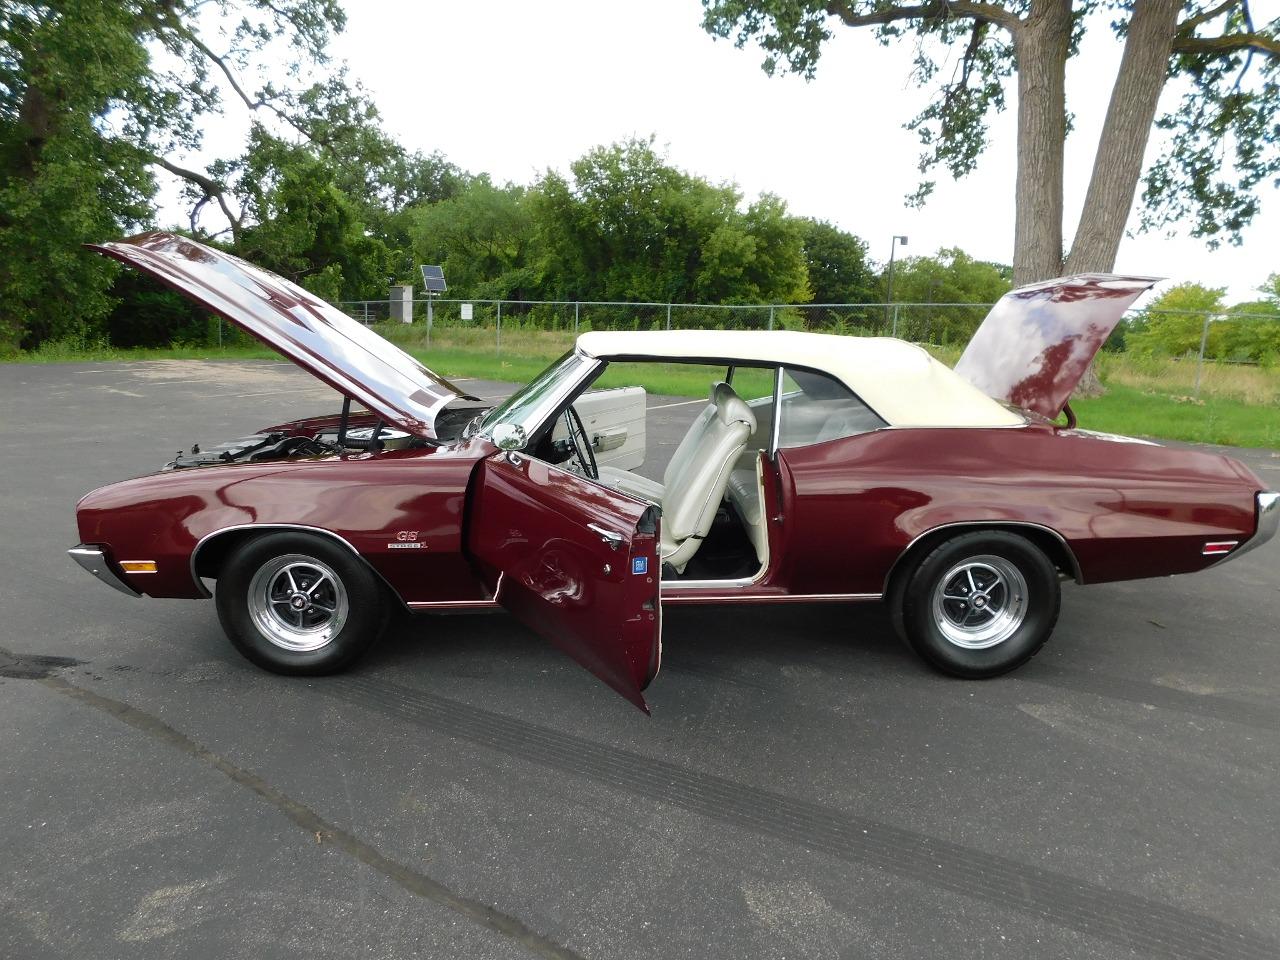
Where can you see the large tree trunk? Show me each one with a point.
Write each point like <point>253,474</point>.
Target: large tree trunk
<point>1117,167</point>
<point>1144,68</point>
<point>1040,46</point>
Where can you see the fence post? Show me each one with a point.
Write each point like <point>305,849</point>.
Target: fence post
<point>668,316</point>
<point>576,305</point>
<point>499,342</point>
<point>771,316</point>
<point>1204,339</point>
<point>895,321</point>
<point>219,331</point>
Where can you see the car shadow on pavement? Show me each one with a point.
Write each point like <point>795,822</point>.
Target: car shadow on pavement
<point>844,639</point>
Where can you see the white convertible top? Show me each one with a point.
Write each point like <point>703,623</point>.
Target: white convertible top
<point>898,380</point>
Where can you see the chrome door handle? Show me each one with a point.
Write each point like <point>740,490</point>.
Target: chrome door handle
<point>614,540</point>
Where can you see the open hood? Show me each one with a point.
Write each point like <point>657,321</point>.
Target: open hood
<point>1036,343</point>
<point>315,335</point>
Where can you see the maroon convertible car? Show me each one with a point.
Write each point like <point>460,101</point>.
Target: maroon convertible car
<point>820,469</point>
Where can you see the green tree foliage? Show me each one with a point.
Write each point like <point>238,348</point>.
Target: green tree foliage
<point>1250,331</point>
<point>299,223</point>
<point>484,238</point>
<point>1222,141</point>
<point>1270,290</point>
<point>66,177</point>
<point>96,96</point>
<point>839,270</point>
<point>1173,323</point>
<point>951,276</point>
<point>626,225</point>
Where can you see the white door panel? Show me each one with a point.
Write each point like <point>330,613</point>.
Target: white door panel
<point>615,422</point>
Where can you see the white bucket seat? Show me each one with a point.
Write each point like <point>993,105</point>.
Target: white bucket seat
<point>693,485</point>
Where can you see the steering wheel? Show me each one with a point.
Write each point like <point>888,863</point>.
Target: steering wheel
<point>581,444</point>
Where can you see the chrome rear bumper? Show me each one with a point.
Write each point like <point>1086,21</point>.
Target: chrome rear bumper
<point>95,561</point>
<point>1268,521</point>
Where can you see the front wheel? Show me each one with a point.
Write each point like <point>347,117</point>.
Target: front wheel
<point>980,604</point>
<point>295,603</point>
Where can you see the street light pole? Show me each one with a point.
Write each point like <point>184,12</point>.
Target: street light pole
<point>897,238</point>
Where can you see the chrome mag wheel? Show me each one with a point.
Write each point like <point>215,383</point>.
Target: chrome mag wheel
<point>297,602</point>
<point>980,602</point>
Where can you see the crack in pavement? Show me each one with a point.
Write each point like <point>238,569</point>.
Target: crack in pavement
<point>43,671</point>
<point>1133,921</point>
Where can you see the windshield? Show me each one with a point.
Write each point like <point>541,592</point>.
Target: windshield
<point>529,406</point>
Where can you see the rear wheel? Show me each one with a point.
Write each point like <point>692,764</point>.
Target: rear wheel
<point>979,604</point>
<point>295,603</point>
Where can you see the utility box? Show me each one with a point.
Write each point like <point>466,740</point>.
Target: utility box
<point>402,303</point>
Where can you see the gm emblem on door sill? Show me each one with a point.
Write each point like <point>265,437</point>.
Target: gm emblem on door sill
<point>639,566</point>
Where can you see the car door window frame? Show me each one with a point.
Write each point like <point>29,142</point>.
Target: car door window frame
<point>775,428</point>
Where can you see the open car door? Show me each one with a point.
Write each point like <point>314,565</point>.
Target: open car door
<point>575,561</point>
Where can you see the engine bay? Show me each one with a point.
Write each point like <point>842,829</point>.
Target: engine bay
<point>327,436</point>
<point>285,445</point>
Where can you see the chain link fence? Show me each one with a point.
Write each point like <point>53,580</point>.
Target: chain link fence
<point>1219,354</point>
<point>938,323</point>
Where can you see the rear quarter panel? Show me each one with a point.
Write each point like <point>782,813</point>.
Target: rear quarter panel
<point>1126,510</point>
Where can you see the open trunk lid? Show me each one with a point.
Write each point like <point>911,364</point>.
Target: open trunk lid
<point>1037,341</point>
<point>317,336</point>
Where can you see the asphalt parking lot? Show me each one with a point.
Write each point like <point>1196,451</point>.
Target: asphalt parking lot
<point>805,788</point>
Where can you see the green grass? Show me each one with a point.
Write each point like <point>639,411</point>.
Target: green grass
<point>1148,397</point>
<point>63,352</point>
<point>1131,411</point>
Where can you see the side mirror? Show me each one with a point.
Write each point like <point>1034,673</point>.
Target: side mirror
<point>510,437</point>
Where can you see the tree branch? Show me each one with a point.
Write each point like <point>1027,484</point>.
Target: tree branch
<point>965,9</point>
<point>220,62</point>
<point>212,190</point>
<point>1229,43</point>
<point>1188,26</point>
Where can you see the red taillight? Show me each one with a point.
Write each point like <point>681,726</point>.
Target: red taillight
<point>1219,548</point>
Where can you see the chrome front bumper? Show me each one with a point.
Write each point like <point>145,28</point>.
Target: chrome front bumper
<point>95,561</point>
<point>1268,521</point>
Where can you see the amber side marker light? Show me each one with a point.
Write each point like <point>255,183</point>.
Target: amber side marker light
<point>1219,548</point>
<point>138,566</point>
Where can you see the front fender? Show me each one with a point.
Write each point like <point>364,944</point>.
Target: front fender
<point>400,510</point>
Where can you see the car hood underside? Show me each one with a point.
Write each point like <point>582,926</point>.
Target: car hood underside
<point>314,334</point>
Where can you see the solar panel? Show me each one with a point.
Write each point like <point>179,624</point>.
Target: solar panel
<point>433,278</point>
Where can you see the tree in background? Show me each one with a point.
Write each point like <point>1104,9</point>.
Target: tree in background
<point>838,266</point>
<point>626,225</point>
<point>299,223</point>
<point>67,174</point>
<point>1173,323</point>
<point>98,96</point>
<point>949,277</point>
<point>1251,330</point>
<point>1222,138</point>
<point>1270,290</point>
<point>484,237</point>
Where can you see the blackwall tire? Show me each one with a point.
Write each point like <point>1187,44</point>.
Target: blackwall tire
<point>299,604</point>
<point>980,604</point>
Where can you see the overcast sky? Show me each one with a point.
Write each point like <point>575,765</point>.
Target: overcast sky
<point>512,88</point>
